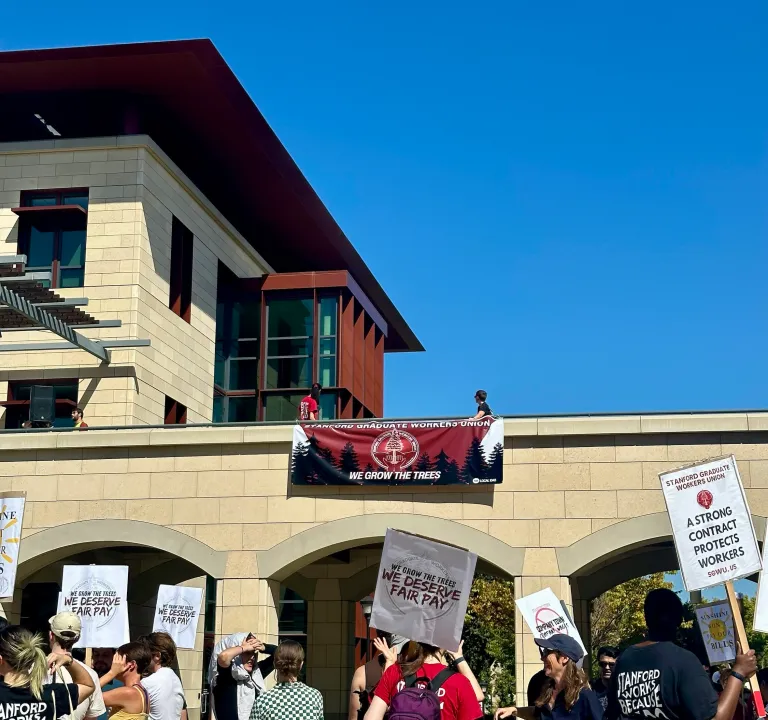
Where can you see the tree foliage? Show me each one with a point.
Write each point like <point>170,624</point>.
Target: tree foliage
<point>489,637</point>
<point>617,615</point>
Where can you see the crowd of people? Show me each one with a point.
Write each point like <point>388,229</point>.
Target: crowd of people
<point>407,680</point>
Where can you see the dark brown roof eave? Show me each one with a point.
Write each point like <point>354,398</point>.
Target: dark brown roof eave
<point>256,131</point>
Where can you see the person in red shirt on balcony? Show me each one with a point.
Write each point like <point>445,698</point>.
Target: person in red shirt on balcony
<point>308,407</point>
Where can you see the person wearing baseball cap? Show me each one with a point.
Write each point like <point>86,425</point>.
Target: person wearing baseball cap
<point>565,694</point>
<point>65,632</point>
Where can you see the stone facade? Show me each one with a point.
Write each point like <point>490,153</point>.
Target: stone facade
<point>580,497</point>
<point>134,191</point>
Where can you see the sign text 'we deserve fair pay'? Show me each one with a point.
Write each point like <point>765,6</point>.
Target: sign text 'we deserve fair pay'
<point>713,532</point>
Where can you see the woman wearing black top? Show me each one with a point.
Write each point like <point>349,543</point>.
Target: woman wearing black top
<point>24,666</point>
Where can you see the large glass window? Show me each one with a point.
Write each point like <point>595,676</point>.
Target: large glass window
<point>282,406</point>
<point>55,241</point>
<point>236,369</point>
<point>290,329</point>
<point>327,320</point>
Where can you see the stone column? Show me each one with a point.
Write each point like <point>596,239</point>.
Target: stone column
<point>540,570</point>
<point>330,638</point>
<point>247,605</point>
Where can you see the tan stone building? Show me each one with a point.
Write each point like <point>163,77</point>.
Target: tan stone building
<point>143,178</point>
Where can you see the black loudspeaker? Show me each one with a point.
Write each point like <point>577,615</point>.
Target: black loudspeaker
<point>42,404</point>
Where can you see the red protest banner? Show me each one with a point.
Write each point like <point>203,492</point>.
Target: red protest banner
<point>440,452</point>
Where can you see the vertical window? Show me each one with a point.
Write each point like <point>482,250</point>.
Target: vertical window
<point>236,369</point>
<point>182,241</point>
<point>175,412</point>
<point>328,311</point>
<point>54,238</point>
<point>19,392</point>
<point>289,343</point>
<point>292,620</point>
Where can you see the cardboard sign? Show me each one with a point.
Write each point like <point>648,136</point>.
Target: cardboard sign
<point>98,594</point>
<point>545,616</point>
<point>11,521</point>
<point>177,612</point>
<point>716,626</point>
<point>711,523</point>
<point>423,589</point>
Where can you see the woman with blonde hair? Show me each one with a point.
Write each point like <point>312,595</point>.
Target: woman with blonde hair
<point>24,668</point>
<point>566,694</point>
<point>289,698</point>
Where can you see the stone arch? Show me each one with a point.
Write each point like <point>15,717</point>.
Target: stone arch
<point>56,543</point>
<point>285,558</point>
<point>622,551</point>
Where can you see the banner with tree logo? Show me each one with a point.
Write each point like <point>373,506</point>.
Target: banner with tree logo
<point>441,452</point>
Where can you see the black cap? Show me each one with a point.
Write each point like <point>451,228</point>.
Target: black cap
<point>564,644</point>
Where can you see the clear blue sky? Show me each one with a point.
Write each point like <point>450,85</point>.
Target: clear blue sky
<point>567,201</point>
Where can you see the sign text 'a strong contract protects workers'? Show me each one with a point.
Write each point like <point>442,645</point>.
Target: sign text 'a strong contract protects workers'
<point>711,523</point>
<point>381,452</point>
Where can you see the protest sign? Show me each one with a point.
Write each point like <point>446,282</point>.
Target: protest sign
<point>98,594</point>
<point>423,589</point>
<point>545,616</point>
<point>716,625</point>
<point>711,523</point>
<point>383,452</point>
<point>177,611</point>
<point>11,520</point>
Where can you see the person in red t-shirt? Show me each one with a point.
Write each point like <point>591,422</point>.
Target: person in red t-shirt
<point>308,407</point>
<point>460,695</point>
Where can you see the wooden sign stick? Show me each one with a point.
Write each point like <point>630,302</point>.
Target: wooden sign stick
<point>89,657</point>
<point>741,637</point>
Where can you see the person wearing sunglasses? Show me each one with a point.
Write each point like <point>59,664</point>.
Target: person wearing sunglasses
<point>566,694</point>
<point>606,661</point>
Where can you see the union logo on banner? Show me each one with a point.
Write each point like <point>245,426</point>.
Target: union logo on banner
<point>425,452</point>
<point>395,450</point>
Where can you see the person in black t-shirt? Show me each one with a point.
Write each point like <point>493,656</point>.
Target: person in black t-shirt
<point>657,679</point>
<point>24,667</point>
<point>606,661</point>
<point>482,407</point>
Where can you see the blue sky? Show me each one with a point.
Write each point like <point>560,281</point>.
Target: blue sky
<point>746,587</point>
<point>567,201</point>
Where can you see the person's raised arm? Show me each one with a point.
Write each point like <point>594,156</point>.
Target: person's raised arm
<point>377,710</point>
<point>462,666</point>
<point>358,686</point>
<point>79,674</point>
<point>745,666</point>
<point>226,657</point>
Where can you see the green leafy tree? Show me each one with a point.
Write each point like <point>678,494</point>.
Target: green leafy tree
<point>489,638</point>
<point>617,615</point>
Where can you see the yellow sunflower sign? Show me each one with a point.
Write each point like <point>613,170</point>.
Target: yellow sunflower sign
<point>11,519</point>
<point>716,626</point>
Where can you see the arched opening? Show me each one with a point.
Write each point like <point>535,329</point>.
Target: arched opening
<point>334,566</point>
<point>154,555</point>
